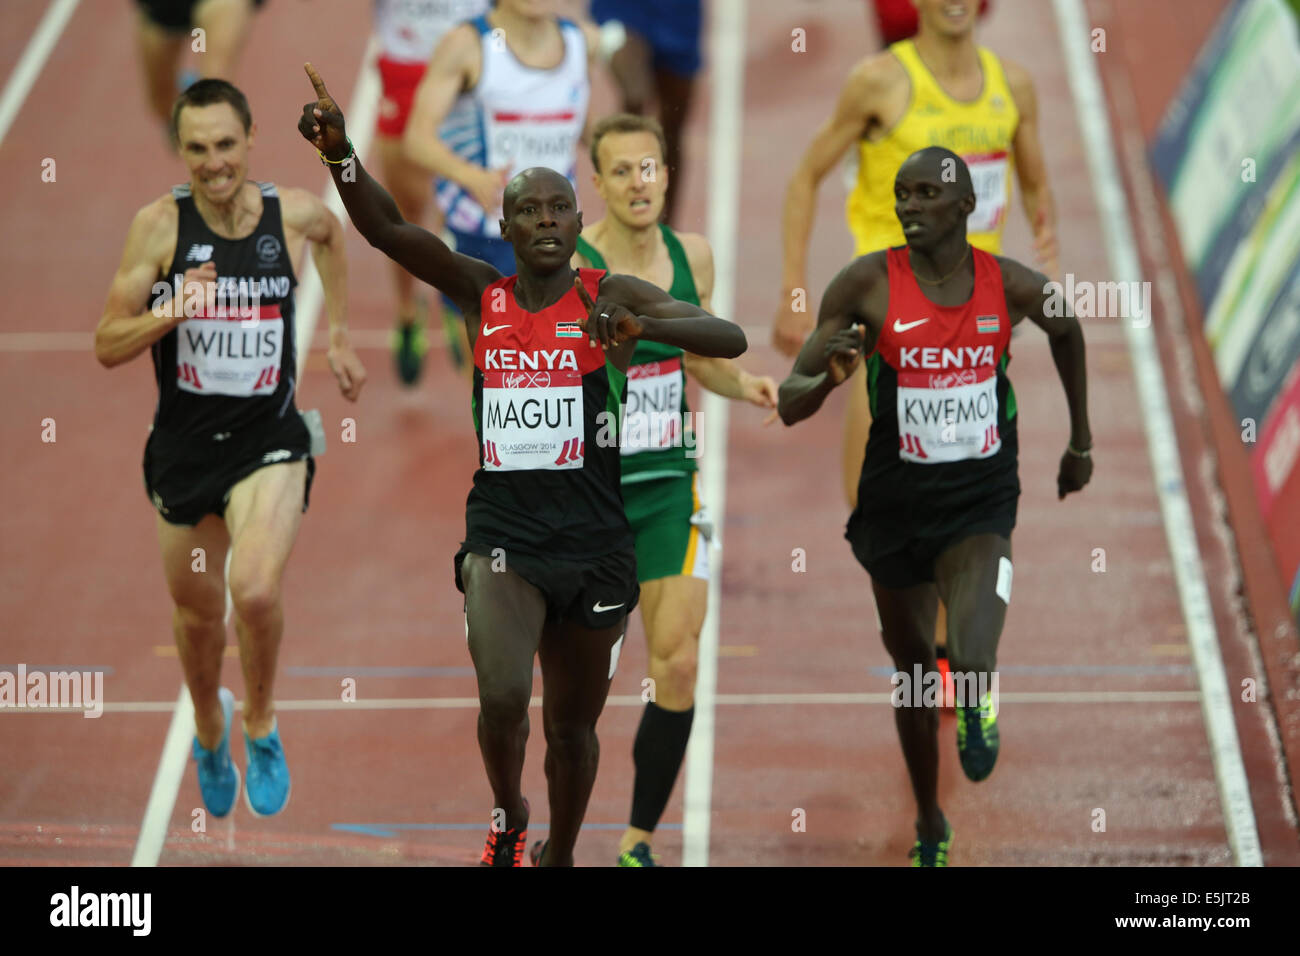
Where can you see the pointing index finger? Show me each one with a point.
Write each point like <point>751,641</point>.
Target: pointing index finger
<point>321,93</point>
<point>583,294</point>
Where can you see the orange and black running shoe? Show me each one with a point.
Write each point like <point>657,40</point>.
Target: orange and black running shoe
<point>505,847</point>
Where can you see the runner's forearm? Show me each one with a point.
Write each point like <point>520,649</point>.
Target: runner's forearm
<point>119,339</point>
<point>1071,365</point>
<point>800,396</point>
<point>435,157</point>
<point>372,210</point>
<point>702,334</point>
<point>720,376</point>
<point>796,229</point>
<point>330,258</point>
<point>1038,202</point>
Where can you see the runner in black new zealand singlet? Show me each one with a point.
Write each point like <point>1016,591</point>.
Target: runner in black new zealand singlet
<point>226,373</point>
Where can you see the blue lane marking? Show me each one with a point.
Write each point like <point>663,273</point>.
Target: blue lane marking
<point>1080,670</point>
<point>390,830</point>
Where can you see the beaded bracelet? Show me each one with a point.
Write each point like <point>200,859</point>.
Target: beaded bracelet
<point>338,162</point>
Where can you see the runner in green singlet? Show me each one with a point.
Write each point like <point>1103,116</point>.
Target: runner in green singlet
<point>659,452</point>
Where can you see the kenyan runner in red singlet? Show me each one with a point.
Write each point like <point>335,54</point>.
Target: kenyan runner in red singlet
<point>937,497</point>
<point>548,565</point>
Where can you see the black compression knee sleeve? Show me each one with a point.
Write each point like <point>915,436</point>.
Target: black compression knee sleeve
<point>657,753</point>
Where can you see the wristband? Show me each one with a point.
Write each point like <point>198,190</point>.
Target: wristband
<point>338,162</point>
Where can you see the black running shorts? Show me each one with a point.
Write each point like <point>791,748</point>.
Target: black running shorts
<point>175,16</point>
<point>598,592</point>
<point>188,478</point>
<point>904,561</point>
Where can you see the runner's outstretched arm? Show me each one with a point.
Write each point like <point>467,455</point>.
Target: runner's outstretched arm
<point>1030,296</point>
<point>377,217</point>
<point>842,337</point>
<point>628,308</point>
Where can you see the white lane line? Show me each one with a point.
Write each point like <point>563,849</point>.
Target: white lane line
<point>361,117</point>
<point>1216,704</point>
<point>728,95</point>
<point>167,781</point>
<point>633,700</point>
<point>29,67</point>
<point>171,766</point>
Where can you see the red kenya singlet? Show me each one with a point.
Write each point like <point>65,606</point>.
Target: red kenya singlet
<point>546,410</point>
<point>942,447</point>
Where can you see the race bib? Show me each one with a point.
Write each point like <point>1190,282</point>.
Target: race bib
<point>948,416</point>
<point>653,419</point>
<point>532,420</point>
<point>237,355</point>
<point>988,174</point>
<point>520,139</point>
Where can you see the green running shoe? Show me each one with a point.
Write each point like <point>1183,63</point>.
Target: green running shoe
<point>932,854</point>
<point>409,346</point>
<point>977,738</point>
<point>639,855</point>
<point>452,323</point>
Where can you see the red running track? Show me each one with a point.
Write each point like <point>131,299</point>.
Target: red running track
<point>369,591</point>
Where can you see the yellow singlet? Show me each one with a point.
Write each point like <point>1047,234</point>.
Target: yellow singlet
<point>979,131</point>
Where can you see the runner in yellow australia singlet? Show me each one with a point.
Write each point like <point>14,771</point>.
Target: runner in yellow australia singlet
<point>980,132</point>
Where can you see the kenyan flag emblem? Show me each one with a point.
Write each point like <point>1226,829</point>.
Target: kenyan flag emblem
<point>567,330</point>
<point>987,323</point>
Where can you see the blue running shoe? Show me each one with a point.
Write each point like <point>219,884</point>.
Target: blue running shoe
<point>267,789</point>
<point>218,775</point>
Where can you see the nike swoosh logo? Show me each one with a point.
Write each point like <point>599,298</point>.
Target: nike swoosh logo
<point>489,329</point>
<point>900,326</point>
<point>598,607</point>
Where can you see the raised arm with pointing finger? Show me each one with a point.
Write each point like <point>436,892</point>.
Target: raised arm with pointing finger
<point>542,224</point>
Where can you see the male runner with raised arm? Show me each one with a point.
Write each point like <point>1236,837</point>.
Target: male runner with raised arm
<point>548,566</point>
<point>939,487</point>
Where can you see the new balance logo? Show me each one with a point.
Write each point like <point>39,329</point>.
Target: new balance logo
<point>273,456</point>
<point>199,252</point>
